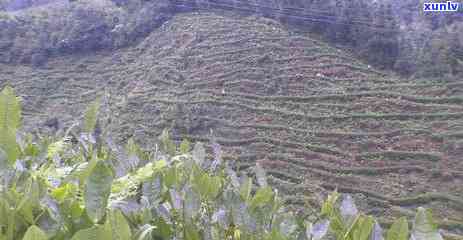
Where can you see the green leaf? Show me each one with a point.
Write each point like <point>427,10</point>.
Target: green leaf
<point>163,230</point>
<point>34,233</point>
<point>10,109</point>
<point>145,232</point>
<point>91,116</point>
<point>288,225</point>
<point>37,188</point>
<point>214,185</point>
<point>176,199</point>
<point>275,235</point>
<point>399,230</point>
<point>131,147</point>
<point>191,233</point>
<point>3,159</point>
<point>377,232</point>
<point>11,223</point>
<point>152,188</point>
<point>199,154</point>
<point>262,197</point>
<point>185,146</point>
<point>192,203</point>
<point>117,226</point>
<point>167,144</point>
<point>93,233</point>
<point>171,176</point>
<point>207,186</point>
<point>61,193</point>
<point>363,228</point>
<point>352,229</point>
<point>329,205</point>
<point>9,145</point>
<point>97,191</point>
<point>245,188</point>
<point>424,227</point>
<point>234,180</point>
<point>76,210</point>
<point>83,171</point>
<point>55,148</point>
<point>261,175</point>
<point>31,149</point>
<point>26,210</point>
<point>318,230</point>
<point>348,209</point>
<point>337,225</point>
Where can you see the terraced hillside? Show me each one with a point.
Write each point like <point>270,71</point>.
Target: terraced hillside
<point>314,117</point>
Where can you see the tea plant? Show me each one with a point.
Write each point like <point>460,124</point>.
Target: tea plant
<point>82,188</point>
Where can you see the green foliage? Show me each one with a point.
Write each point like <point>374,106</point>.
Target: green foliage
<point>34,233</point>
<point>206,185</point>
<point>328,208</point>
<point>245,188</point>
<point>366,227</point>
<point>10,121</point>
<point>260,176</point>
<point>262,197</point>
<point>183,197</point>
<point>55,148</point>
<point>424,227</point>
<point>3,159</point>
<point>185,146</point>
<point>10,109</point>
<point>97,191</point>
<point>117,227</point>
<point>199,154</point>
<point>91,116</point>
<point>398,230</point>
<point>168,146</point>
<point>92,233</point>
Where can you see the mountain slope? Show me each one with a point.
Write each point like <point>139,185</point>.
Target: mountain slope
<point>315,118</point>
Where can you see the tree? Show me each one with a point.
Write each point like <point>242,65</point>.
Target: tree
<point>385,42</point>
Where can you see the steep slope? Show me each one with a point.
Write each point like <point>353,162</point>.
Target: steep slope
<point>313,116</point>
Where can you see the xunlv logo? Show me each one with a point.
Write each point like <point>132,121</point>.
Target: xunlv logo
<point>448,6</point>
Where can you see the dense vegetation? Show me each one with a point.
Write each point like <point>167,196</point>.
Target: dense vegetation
<point>85,187</point>
<point>393,35</point>
<point>33,35</point>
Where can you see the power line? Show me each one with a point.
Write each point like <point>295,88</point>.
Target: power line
<point>328,19</point>
<point>277,12</point>
<point>293,9</point>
